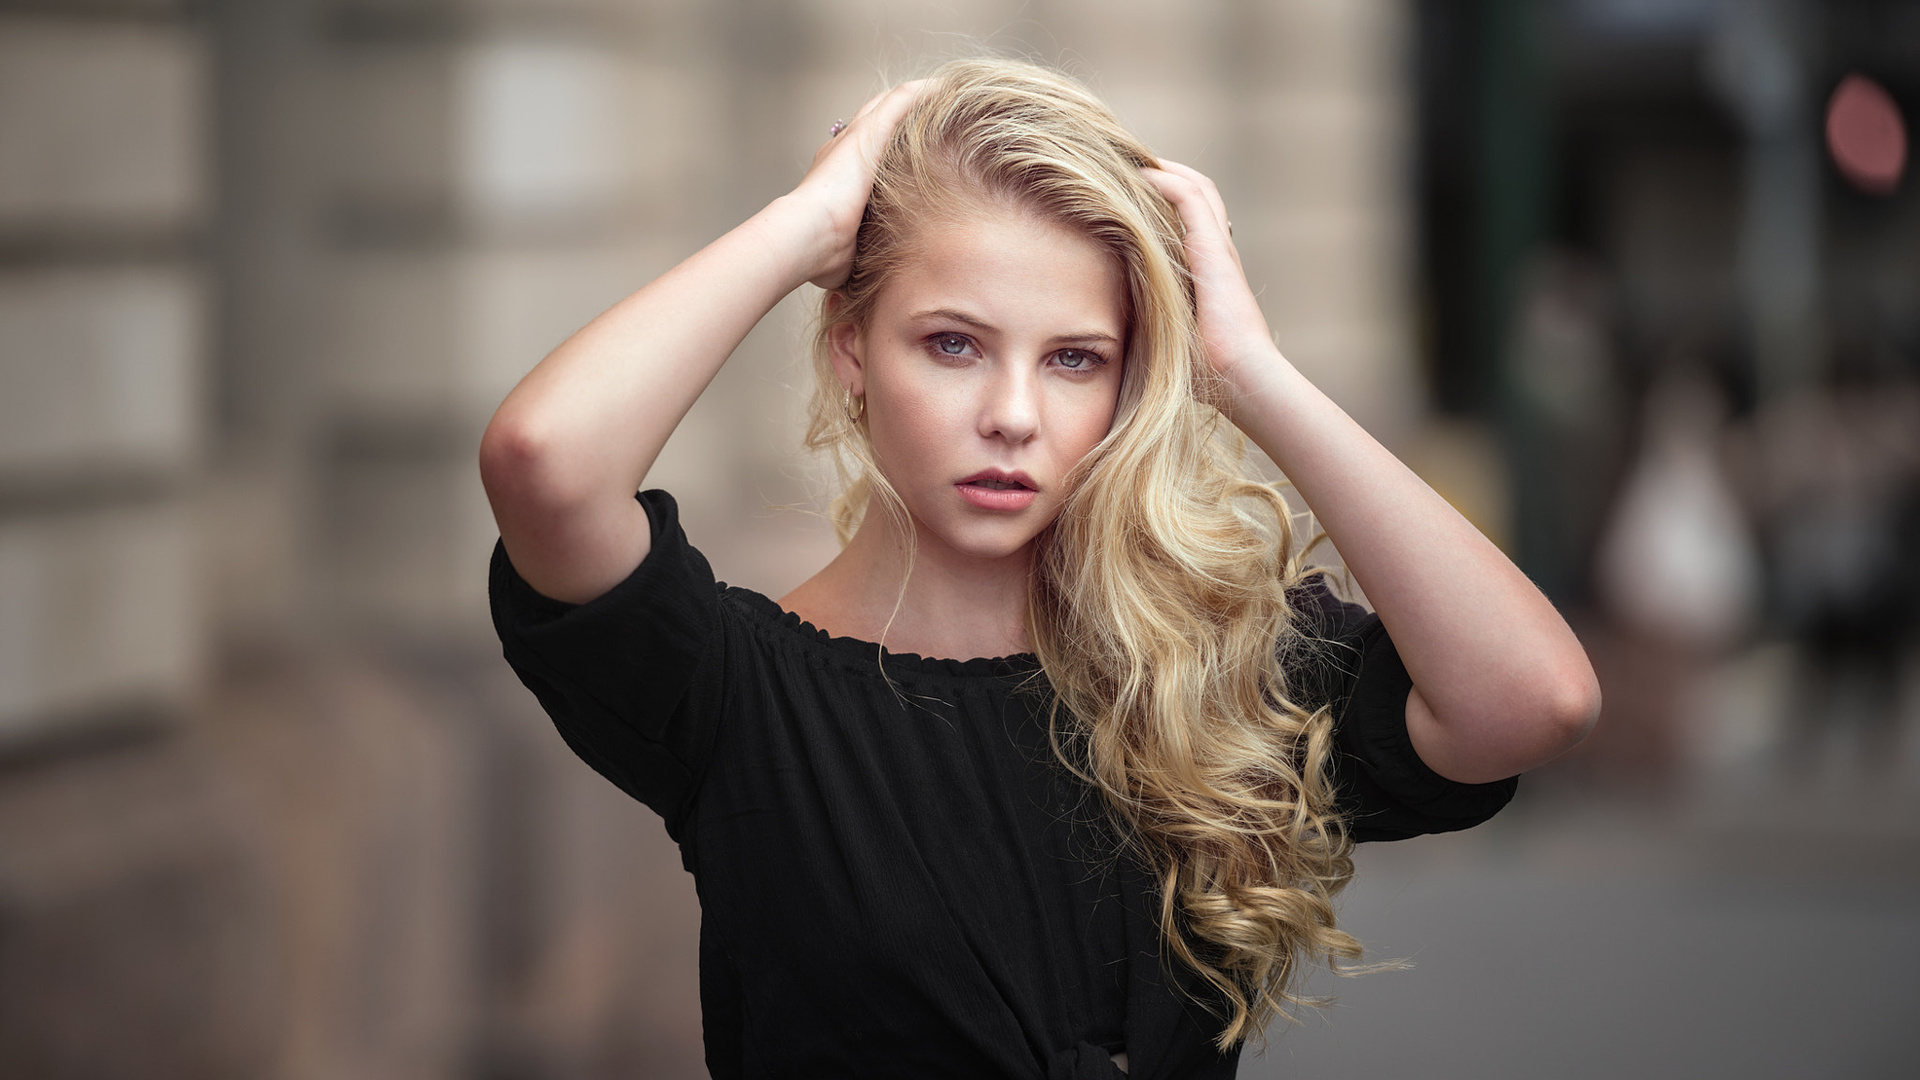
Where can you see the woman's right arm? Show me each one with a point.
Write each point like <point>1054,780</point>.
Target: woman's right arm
<point>566,451</point>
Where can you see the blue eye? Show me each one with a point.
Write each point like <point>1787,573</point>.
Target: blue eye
<point>1078,359</point>
<point>951,344</point>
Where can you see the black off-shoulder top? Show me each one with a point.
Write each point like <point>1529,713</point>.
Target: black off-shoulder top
<point>896,875</point>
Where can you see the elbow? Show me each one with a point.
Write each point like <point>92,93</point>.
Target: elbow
<point>509,452</point>
<point>1572,707</point>
<point>520,463</point>
<point>511,457</point>
<point>1521,726</point>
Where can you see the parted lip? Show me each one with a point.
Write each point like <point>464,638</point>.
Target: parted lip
<point>1005,476</point>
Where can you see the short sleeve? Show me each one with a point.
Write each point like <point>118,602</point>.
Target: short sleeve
<point>1387,792</point>
<point>630,678</point>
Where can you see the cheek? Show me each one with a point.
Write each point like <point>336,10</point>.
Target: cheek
<point>910,430</point>
<point>1089,423</point>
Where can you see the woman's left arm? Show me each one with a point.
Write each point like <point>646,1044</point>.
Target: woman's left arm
<point>1500,683</point>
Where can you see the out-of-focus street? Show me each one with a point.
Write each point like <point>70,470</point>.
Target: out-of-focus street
<point>1766,925</point>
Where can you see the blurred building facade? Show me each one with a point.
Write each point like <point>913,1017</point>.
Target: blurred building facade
<point>269,803</point>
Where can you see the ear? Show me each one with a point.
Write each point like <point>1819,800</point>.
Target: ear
<point>846,347</point>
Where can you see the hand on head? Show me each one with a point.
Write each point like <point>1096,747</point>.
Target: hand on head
<point>1232,327</point>
<point>840,179</point>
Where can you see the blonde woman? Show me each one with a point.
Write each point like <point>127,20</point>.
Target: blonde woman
<point>1055,770</point>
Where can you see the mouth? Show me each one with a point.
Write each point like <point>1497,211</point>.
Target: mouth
<point>995,480</point>
<point>994,489</point>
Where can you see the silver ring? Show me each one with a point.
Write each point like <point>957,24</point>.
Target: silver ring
<point>838,127</point>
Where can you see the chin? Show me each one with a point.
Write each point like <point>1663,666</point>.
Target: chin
<point>1002,551</point>
<point>986,544</point>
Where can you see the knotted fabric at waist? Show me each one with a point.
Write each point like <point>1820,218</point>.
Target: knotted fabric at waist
<point>1083,1061</point>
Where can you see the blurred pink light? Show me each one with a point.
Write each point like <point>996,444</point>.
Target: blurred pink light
<point>1866,135</point>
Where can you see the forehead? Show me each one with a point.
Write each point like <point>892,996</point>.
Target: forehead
<point>1013,268</point>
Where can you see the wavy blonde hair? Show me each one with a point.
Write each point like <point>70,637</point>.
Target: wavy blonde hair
<point>1159,605</point>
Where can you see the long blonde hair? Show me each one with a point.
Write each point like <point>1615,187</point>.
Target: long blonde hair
<point>1159,605</point>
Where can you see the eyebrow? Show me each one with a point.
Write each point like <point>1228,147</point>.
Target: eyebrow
<point>962,317</point>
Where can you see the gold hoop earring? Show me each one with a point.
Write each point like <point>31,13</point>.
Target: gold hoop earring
<point>854,405</point>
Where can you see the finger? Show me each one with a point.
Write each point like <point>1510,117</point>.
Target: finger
<point>1196,212</point>
<point>1208,189</point>
<point>867,105</point>
<point>906,91</point>
<point>873,124</point>
<point>841,127</point>
<point>1204,219</point>
<point>888,106</point>
<point>885,111</point>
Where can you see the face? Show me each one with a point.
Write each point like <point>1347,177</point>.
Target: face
<point>990,366</point>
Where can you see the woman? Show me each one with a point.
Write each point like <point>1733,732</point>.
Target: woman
<point>1055,769</point>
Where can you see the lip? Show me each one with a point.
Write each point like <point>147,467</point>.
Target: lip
<point>1009,476</point>
<point>1003,499</point>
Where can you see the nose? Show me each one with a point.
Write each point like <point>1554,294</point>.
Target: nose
<point>1011,410</point>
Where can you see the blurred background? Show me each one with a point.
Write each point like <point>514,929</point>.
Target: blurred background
<point>1635,283</point>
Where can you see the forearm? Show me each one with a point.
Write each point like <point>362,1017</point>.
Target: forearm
<point>1500,682</point>
<point>603,403</point>
<point>575,439</point>
<point>568,448</point>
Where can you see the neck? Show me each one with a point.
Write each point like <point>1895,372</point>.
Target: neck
<point>953,605</point>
